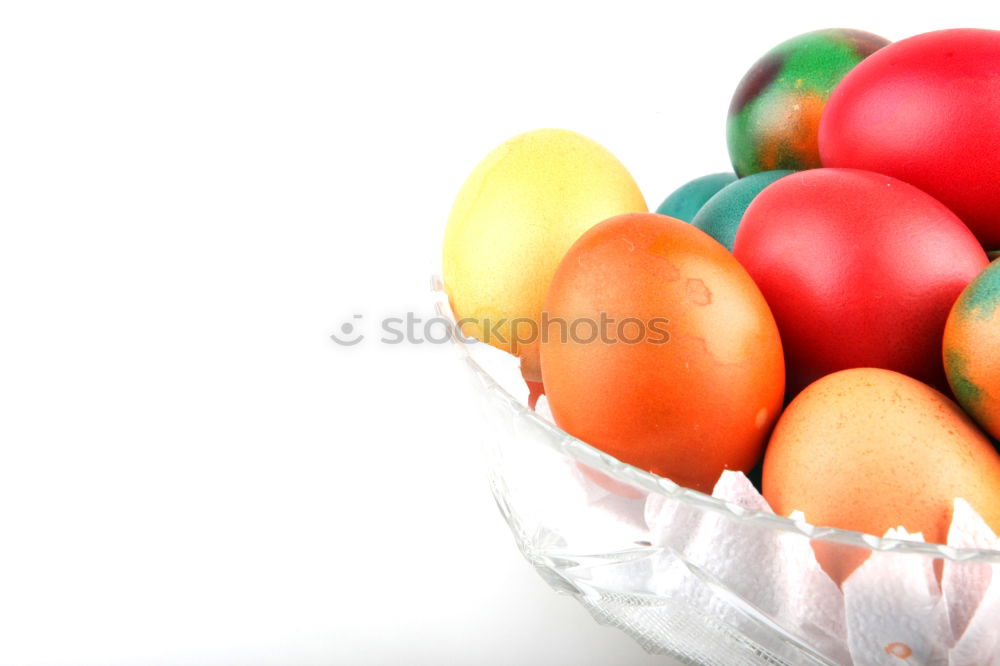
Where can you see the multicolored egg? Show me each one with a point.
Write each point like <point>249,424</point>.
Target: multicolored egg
<point>661,351</point>
<point>685,202</point>
<point>774,114</point>
<point>972,349</point>
<point>720,217</point>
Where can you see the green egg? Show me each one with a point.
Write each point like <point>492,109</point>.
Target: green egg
<point>688,199</point>
<point>721,215</point>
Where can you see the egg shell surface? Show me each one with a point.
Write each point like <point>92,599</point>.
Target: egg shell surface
<point>971,349</point>
<point>513,220</point>
<point>774,115</point>
<point>686,377</point>
<point>720,217</point>
<point>685,202</point>
<point>924,110</point>
<point>859,269</point>
<point>868,449</point>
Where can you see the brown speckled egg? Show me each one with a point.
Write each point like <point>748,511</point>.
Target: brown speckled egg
<point>869,449</point>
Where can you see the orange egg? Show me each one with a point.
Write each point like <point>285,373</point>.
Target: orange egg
<point>660,350</point>
<point>972,349</point>
<point>869,449</point>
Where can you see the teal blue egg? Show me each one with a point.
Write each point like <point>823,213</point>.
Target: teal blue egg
<point>721,215</point>
<point>688,199</point>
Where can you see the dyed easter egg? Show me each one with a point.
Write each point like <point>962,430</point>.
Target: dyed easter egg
<point>868,450</point>
<point>972,349</point>
<point>774,114</point>
<point>661,350</point>
<point>721,215</point>
<point>688,199</point>
<point>859,269</point>
<point>925,110</point>
<point>513,220</point>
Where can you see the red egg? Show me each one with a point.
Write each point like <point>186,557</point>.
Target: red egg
<point>859,269</point>
<point>926,110</point>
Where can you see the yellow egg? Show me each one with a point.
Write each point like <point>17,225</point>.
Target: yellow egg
<point>512,222</point>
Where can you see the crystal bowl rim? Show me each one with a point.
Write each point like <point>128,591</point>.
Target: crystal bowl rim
<point>579,450</point>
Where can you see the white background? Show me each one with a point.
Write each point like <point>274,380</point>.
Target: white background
<point>193,196</point>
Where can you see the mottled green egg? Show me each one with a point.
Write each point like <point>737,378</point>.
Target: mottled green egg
<point>685,202</point>
<point>721,215</point>
<point>971,349</point>
<point>774,114</point>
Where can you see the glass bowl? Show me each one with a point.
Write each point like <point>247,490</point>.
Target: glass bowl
<point>720,580</point>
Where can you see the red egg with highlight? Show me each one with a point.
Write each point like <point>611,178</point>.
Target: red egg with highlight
<point>859,269</point>
<point>925,110</point>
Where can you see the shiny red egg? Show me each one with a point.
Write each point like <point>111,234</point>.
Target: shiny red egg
<point>859,269</point>
<point>926,110</point>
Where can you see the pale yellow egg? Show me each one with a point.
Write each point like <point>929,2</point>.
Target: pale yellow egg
<point>513,220</point>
